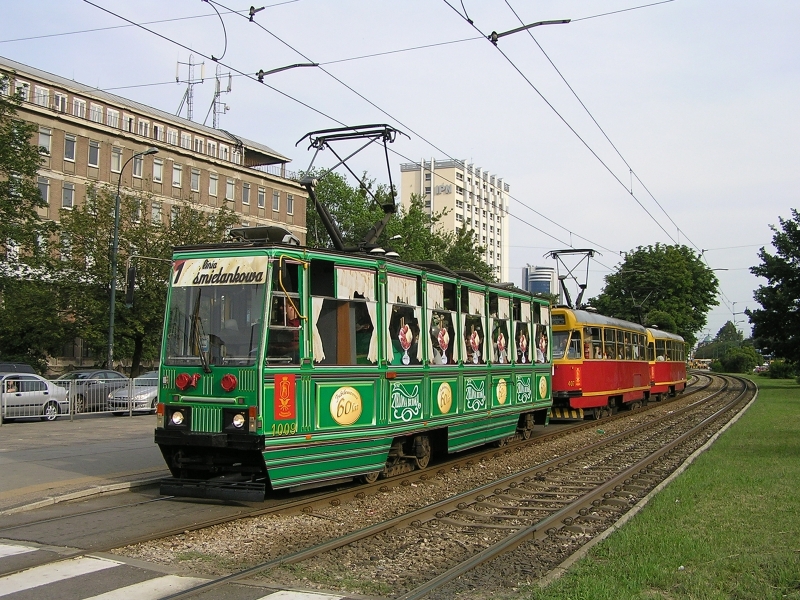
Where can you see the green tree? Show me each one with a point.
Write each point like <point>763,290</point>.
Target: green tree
<point>740,359</point>
<point>776,325</point>
<point>20,159</point>
<point>30,325</point>
<point>669,279</point>
<point>85,267</point>
<point>729,333</point>
<point>413,233</point>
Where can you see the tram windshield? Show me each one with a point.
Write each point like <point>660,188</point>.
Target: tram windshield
<point>219,323</point>
<point>560,339</point>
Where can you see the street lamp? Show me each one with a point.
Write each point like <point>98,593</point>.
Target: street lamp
<point>114,249</point>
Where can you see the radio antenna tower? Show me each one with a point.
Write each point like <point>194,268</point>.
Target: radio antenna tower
<point>188,96</point>
<point>218,107</point>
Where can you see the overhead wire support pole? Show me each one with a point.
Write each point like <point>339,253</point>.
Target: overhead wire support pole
<point>494,36</point>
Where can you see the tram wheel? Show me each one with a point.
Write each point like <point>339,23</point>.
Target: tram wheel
<point>527,427</point>
<point>422,451</point>
<point>371,477</point>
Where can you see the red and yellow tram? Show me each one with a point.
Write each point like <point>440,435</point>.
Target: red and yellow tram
<point>601,364</point>
<point>666,353</point>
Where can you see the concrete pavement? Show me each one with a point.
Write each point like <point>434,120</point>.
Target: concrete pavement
<point>46,462</point>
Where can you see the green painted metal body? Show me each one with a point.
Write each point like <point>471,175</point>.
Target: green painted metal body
<point>310,421</point>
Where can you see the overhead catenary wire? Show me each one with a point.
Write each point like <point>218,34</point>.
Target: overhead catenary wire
<point>570,127</point>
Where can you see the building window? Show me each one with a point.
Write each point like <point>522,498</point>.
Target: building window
<point>158,132</point>
<point>155,213</point>
<point>173,214</point>
<point>224,152</point>
<point>68,195</point>
<point>177,173</point>
<point>245,193</point>
<point>144,128</point>
<point>459,204</point>
<point>60,102</point>
<point>44,189</point>
<point>213,180</point>
<point>138,166</point>
<point>186,140</point>
<point>79,108</point>
<point>229,189</point>
<point>427,176</point>
<point>116,159</point>
<point>289,204</point>
<point>245,223</point>
<point>22,89</point>
<point>459,177</point>
<point>69,147</point>
<point>427,191</point>
<point>96,113</point>
<point>195,182</point>
<point>158,170</point>
<point>127,123</point>
<point>112,118</point>
<point>276,200</point>
<point>41,96</point>
<point>212,148</point>
<point>45,139</point>
<point>262,197</point>
<point>459,218</point>
<point>94,153</point>
<point>198,145</point>
<point>172,136</point>
<point>237,157</point>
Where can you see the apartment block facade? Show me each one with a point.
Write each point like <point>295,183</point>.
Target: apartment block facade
<point>89,135</point>
<point>470,196</point>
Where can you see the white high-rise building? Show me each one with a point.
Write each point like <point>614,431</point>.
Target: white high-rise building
<point>473,197</point>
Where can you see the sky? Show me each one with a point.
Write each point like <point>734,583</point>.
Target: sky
<point>670,123</point>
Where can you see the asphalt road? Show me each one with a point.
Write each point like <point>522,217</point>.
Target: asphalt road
<point>40,459</point>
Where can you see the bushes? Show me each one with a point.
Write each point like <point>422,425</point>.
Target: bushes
<point>781,369</point>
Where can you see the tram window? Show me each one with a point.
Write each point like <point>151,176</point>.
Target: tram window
<point>450,296</point>
<point>285,276</point>
<point>542,355</point>
<point>595,334</point>
<point>285,324</point>
<point>537,313</point>
<point>628,346</point>
<point>522,342</point>
<point>651,351</point>
<point>516,309</point>
<point>321,278</point>
<point>560,339</point>
<point>493,305</point>
<point>404,347</point>
<point>642,340</point>
<point>670,351</point>
<point>474,334</point>
<point>575,349</point>
<point>610,348</point>
<point>473,340</point>
<point>344,332</point>
<point>660,350</point>
<point>442,336</point>
<point>500,353</point>
<point>464,299</point>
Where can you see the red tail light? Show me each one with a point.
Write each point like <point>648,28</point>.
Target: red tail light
<point>229,382</point>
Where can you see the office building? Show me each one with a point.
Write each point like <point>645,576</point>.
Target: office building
<point>471,197</point>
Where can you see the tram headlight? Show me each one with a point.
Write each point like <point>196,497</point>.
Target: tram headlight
<point>177,418</point>
<point>238,420</point>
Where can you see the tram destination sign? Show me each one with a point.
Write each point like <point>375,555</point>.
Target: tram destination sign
<point>231,270</point>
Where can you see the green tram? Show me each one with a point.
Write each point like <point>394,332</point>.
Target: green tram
<point>288,368</point>
<point>366,368</point>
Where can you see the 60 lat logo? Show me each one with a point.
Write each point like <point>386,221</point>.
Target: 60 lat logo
<point>346,405</point>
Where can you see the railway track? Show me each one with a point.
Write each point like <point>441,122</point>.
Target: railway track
<point>311,504</point>
<point>563,502</point>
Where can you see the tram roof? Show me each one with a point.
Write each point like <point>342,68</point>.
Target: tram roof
<point>585,317</point>
<point>465,277</point>
<point>664,335</point>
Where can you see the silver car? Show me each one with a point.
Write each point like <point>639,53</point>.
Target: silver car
<point>28,395</point>
<point>143,399</point>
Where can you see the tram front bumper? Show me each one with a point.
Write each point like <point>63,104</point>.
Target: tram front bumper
<point>167,437</point>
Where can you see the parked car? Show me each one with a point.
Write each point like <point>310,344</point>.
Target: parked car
<point>28,395</point>
<point>144,395</point>
<point>89,389</point>
<point>12,367</point>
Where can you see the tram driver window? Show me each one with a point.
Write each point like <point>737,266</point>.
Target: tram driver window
<point>285,322</point>
<point>575,349</point>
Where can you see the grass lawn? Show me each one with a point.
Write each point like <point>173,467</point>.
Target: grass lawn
<point>728,527</point>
